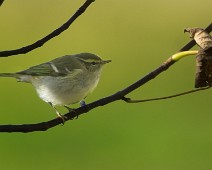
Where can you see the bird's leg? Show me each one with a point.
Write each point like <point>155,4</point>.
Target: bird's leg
<point>72,110</point>
<point>82,103</point>
<point>58,114</point>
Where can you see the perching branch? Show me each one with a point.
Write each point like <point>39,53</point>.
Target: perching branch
<point>41,42</point>
<point>43,126</point>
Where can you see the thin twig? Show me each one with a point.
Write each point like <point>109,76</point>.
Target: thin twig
<point>41,42</point>
<point>129,100</point>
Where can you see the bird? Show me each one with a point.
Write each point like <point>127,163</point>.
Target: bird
<point>65,80</point>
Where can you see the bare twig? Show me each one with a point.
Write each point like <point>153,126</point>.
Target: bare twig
<point>53,34</point>
<point>129,100</point>
<point>43,126</point>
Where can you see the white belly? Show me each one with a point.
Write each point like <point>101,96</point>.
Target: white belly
<point>61,91</point>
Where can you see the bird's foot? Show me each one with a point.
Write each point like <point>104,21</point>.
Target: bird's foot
<point>82,103</point>
<point>73,111</point>
<point>64,118</point>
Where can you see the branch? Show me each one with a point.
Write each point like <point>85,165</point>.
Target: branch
<point>41,42</point>
<point>203,78</point>
<point>129,100</point>
<point>43,126</point>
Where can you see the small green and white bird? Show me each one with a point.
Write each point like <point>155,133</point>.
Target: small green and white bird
<point>65,80</point>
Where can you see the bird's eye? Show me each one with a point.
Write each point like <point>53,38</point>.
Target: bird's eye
<point>93,63</point>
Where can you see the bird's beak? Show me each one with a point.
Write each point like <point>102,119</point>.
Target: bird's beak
<point>105,61</point>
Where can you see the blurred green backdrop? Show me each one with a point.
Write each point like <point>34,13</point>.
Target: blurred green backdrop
<point>138,35</point>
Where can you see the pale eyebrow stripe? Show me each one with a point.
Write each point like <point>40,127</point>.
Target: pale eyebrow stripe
<point>89,60</point>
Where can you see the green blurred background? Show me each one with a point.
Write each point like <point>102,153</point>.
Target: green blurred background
<point>138,35</point>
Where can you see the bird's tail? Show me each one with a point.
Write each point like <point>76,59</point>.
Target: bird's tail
<point>9,75</point>
<point>17,76</point>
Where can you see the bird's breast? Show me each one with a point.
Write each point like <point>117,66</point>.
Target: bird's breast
<point>64,90</point>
